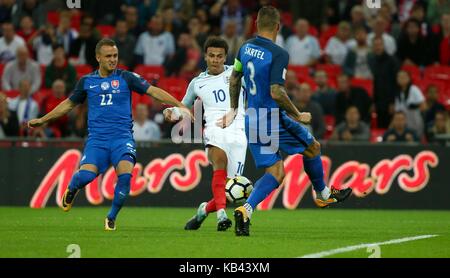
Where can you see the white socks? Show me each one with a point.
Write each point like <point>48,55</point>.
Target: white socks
<point>221,215</point>
<point>324,194</point>
<point>249,210</point>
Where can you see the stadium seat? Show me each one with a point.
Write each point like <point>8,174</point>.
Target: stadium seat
<point>437,72</point>
<point>330,122</point>
<point>11,93</point>
<point>2,67</point>
<point>414,71</point>
<point>150,73</point>
<point>440,84</point>
<point>287,19</point>
<point>300,71</point>
<point>326,35</point>
<point>124,67</point>
<point>82,70</point>
<point>308,80</point>
<point>107,31</point>
<point>376,135</point>
<point>332,70</point>
<point>366,84</point>
<point>175,86</point>
<point>53,18</point>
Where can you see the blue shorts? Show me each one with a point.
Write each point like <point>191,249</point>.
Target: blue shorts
<point>103,153</point>
<point>293,138</point>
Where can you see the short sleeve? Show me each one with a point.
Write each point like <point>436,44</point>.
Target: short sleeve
<point>79,93</point>
<point>136,82</point>
<point>237,62</point>
<point>189,98</point>
<point>416,95</point>
<point>279,68</point>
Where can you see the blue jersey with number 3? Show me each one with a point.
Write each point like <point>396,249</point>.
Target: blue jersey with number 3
<point>263,64</point>
<point>109,102</point>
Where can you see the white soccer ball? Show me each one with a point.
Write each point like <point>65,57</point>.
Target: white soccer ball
<point>238,189</point>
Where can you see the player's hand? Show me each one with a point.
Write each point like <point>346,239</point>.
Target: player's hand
<point>227,119</point>
<point>171,115</point>
<point>35,123</point>
<point>186,113</point>
<point>304,118</point>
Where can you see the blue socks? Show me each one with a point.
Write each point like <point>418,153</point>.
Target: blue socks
<point>120,194</point>
<point>81,179</point>
<point>314,169</point>
<point>263,187</point>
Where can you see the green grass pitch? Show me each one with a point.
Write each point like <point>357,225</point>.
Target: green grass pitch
<point>158,232</point>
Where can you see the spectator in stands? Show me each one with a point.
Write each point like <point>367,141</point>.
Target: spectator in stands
<point>183,9</point>
<point>144,129</point>
<point>59,127</point>
<point>233,40</point>
<point>32,9</point>
<point>410,100</point>
<point>404,9</point>
<point>443,40</point>
<point>171,24</point>
<point>351,96</point>
<point>436,9</point>
<point>439,127</point>
<point>26,31</point>
<point>399,131</point>
<point>432,104</point>
<point>291,80</point>
<point>65,34</point>
<point>184,62</point>
<point>358,18</point>
<point>25,106</point>
<point>226,10</point>
<point>9,43</point>
<point>78,121</point>
<point>82,49</point>
<point>356,63</point>
<point>42,42</point>
<point>379,31</point>
<point>9,124</point>
<point>384,68</point>
<point>196,30</point>
<point>155,45</point>
<point>205,26</point>
<point>418,13</point>
<point>337,46</point>
<point>324,95</point>
<point>21,68</point>
<point>412,47</point>
<point>302,100</point>
<point>132,18</point>
<point>59,68</point>
<point>125,42</point>
<point>303,49</point>
<point>6,10</point>
<point>352,129</point>
<point>87,19</point>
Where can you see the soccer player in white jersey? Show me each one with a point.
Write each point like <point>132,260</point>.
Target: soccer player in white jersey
<point>226,148</point>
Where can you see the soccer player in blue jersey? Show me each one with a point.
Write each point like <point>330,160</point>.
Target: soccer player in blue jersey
<point>270,112</point>
<point>110,140</point>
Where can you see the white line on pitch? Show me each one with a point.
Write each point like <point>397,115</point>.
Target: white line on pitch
<point>365,245</point>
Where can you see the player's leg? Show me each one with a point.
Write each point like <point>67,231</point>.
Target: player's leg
<point>86,174</point>
<point>312,163</point>
<point>218,160</point>
<point>123,170</point>
<point>272,178</point>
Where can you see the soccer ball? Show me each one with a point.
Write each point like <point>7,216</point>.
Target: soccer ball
<point>238,189</point>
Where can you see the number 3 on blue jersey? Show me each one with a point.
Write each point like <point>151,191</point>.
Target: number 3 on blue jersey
<point>251,68</point>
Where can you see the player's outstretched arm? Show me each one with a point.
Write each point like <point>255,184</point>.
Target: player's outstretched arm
<point>164,97</point>
<point>62,109</point>
<point>280,96</point>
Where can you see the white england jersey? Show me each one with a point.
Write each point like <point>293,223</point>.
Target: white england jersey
<point>213,90</point>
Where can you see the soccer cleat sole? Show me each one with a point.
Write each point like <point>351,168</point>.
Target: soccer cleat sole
<point>66,207</point>
<point>224,225</point>
<point>239,227</point>
<point>107,227</point>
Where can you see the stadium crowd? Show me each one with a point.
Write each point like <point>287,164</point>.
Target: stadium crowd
<point>365,74</point>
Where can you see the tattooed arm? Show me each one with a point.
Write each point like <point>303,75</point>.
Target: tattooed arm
<point>280,96</point>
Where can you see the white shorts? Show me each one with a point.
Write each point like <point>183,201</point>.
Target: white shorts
<point>233,142</point>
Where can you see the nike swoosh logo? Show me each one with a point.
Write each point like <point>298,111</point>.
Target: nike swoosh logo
<point>91,87</point>
<point>202,86</point>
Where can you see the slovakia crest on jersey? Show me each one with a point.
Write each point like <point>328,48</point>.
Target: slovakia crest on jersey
<point>115,84</point>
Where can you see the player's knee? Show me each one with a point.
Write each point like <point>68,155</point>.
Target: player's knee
<point>313,149</point>
<point>278,172</point>
<point>219,164</point>
<point>84,176</point>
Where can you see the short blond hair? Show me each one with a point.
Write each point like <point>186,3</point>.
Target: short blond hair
<point>268,19</point>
